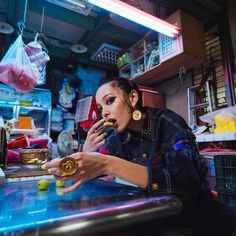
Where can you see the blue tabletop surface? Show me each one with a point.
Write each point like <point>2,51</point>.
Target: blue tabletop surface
<point>23,206</point>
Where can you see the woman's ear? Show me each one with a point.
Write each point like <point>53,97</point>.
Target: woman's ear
<point>133,98</point>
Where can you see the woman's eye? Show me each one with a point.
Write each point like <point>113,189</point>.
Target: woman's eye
<point>110,100</point>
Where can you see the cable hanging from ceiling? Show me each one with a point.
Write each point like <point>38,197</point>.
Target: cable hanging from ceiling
<point>21,23</point>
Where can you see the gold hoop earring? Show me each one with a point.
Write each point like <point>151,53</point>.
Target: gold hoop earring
<point>136,115</point>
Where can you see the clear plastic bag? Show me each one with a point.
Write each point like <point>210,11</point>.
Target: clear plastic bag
<point>38,59</point>
<point>16,69</point>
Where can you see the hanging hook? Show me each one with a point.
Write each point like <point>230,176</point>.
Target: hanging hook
<point>21,26</point>
<point>21,23</point>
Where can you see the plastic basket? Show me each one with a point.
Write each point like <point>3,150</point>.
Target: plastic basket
<point>225,170</point>
<point>227,197</point>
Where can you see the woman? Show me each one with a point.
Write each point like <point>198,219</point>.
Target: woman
<point>151,148</point>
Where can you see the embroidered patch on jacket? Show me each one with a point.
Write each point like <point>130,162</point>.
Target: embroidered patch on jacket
<point>103,150</point>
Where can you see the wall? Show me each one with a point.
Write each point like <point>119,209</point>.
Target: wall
<point>233,35</point>
<point>176,94</point>
<point>90,78</point>
<point>231,9</point>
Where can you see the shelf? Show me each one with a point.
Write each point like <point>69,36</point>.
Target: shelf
<point>168,69</point>
<point>216,137</point>
<point>187,50</point>
<point>125,68</point>
<point>138,59</point>
<point>138,74</point>
<point>210,155</point>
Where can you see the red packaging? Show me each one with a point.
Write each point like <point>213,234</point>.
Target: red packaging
<point>20,142</point>
<point>42,142</point>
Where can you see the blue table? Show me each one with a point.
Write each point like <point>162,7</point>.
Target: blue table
<point>96,207</point>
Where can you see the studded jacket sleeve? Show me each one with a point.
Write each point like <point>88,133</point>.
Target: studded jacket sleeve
<point>183,171</point>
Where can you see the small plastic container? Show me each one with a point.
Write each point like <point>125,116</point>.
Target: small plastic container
<point>25,122</point>
<point>20,142</point>
<point>42,142</point>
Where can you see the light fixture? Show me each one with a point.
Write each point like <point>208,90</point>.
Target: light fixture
<point>129,12</point>
<point>107,54</point>
<point>79,6</point>
<point>82,5</point>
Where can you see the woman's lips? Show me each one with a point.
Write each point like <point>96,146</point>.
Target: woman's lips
<point>112,121</point>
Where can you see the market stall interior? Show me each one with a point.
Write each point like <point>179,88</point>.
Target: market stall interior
<point>53,54</point>
<point>80,24</point>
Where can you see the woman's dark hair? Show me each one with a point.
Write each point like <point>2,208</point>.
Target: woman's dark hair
<point>125,85</point>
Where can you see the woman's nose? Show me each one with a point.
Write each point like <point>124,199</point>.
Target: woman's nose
<point>105,113</point>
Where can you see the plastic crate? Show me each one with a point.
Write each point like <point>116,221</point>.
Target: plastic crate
<point>227,197</point>
<point>225,170</point>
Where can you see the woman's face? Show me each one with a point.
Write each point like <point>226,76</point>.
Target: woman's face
<point>113,105</point>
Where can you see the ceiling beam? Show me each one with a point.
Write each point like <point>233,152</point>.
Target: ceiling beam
<point>86,61</point>
<point>83,59</point>
<point>11,11</point>
<point>102,20</point>
<point>192,8</point>
<point>62,14</point>
<point>120,33</point>
<point>103,28</point>
<point>209,4</point>
<point>103,38</point>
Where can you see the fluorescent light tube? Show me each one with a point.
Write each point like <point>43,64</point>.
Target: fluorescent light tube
<point>79,4</point>
<point>129,12</point>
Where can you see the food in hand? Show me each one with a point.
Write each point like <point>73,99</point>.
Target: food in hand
<point>60,184</point>
<point>43,184</point>
<point>107,127</point>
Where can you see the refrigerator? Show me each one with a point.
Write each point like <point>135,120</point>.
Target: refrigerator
<point>36,104</point>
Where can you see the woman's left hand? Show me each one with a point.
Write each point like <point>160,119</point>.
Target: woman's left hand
<point>89,166</point>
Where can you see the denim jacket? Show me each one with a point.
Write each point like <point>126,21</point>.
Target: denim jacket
<point>167,148</point>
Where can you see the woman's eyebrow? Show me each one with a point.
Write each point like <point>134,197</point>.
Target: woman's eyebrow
<point>106,95</point>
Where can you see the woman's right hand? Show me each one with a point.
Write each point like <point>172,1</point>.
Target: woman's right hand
<point>95,137</point>
<point>87,166</point>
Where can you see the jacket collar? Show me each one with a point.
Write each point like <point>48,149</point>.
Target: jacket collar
<point>147,132</point>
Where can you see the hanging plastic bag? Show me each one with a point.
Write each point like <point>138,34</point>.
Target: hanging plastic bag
<point>67,94</point>
<point>16,69</point>
<point>38,58</point>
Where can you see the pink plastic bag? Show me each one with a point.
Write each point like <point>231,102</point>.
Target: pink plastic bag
<point>16,69</point>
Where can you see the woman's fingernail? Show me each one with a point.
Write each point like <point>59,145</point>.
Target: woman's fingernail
<point>102,120</point>
<point>60,193</point>
<point>43,167</point>
<point>49,171</point>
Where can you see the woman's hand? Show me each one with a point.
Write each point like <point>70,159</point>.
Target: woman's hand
<point>89,166</point>
<point>95,138</point>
